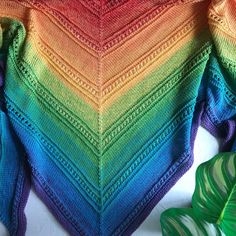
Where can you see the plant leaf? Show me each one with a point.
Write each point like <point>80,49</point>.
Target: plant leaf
<point>214,198</point>
<point>213,202</point>
<point>183,222</point>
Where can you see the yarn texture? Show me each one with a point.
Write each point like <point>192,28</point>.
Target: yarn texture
<point>100,101</point>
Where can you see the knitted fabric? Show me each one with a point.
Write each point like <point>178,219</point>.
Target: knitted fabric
<point>101,101</point>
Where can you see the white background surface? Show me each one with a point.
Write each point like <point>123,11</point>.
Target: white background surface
<point>40,222</point>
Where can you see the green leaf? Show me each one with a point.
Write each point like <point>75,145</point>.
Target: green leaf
<point>213,202</point>
<point>183,222</point>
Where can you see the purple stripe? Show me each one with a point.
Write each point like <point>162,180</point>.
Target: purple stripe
<point>1,73</point>
<point>224,132</point>
<point>53,208</point>
<point>22,218</point>
<point>208,124</point>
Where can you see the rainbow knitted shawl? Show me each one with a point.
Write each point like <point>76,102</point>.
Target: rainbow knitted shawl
<point>101,101</point>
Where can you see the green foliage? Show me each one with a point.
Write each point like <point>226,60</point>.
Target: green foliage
<point>213,209</point>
